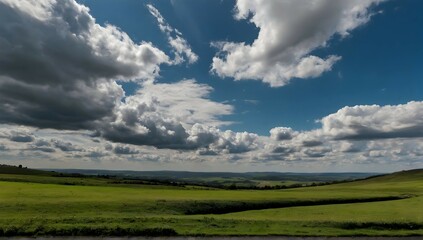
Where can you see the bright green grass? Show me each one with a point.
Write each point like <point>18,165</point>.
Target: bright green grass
<point>34,208</point>
<point>406,210</point>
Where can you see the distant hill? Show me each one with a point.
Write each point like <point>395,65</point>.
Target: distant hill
<point>20,170</point>
<point>407,175</point>
<point>207,176</point>
<point>225,180</point>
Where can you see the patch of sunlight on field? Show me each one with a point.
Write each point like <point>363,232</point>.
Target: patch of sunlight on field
<point>398,210</point>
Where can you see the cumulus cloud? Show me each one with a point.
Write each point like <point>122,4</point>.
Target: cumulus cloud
<point>42,143</point>
<point>65,146</point>
<point>17,134</point>
<point>362,133</point>
<point>166,115</point>
<point>283,150</point>
<point>213,141</point>
<point>180,46</point>
<point>236,142</point>
<point>352,147</point>
<point>202,136</point>
<point>125,150</point>
<point>19,137</point>
<point>42,149</point>
<point>316,152</point>
<point>363,122</point>
<point>176,116</point>
<point>318,146</point>
<point>289,31</point>
<point>58,69</point>
<point>58,66</point>
<point>282,133</point>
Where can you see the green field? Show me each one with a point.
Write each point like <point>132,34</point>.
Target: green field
<point>390,205</point>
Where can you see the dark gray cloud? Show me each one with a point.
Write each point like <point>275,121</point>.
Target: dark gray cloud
<point>65,146</point>
<point>153,136</point>
<point>316,152</point>
<point>43,149</point>
<point>42,143</point>
<point>125,150</point>
<point>368,133</point>
<point>283,150</point>
<point>21,137</point>
<point>206,152</point>
<point>312,143</point>
<point>48,107</point>
<point>57,66</point>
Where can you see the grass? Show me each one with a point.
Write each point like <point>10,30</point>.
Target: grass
<point>42,205</point>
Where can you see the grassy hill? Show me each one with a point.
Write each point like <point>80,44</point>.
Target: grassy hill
<point>389,205</point>
<point>8,169</point>
<point>409,175</point>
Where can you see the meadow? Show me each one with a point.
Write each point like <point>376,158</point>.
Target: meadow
<point>33,205</point>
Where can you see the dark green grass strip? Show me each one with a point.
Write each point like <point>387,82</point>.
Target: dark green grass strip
<point>222,207</point>
<point>380,225</point>
<point>86,231</point>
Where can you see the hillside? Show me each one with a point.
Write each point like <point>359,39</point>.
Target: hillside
<point>408,175</point>
<point>389,205</point>
<point>8,169</point>
<point>253,180</point>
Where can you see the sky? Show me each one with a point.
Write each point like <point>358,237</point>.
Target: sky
<point>199,85</point>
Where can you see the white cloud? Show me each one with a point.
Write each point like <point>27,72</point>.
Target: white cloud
<point>176,116</point>
<point>289,32</point>
<point>181,48</point>
<point>236,142</point>
<point>359,134</point>
<point>282,133</point>
<point>203,136</point>
<point>375,122</point>
<point>186,101</point>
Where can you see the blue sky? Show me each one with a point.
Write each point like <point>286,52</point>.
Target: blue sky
<point>200,85</point>
<point>381,60</point>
